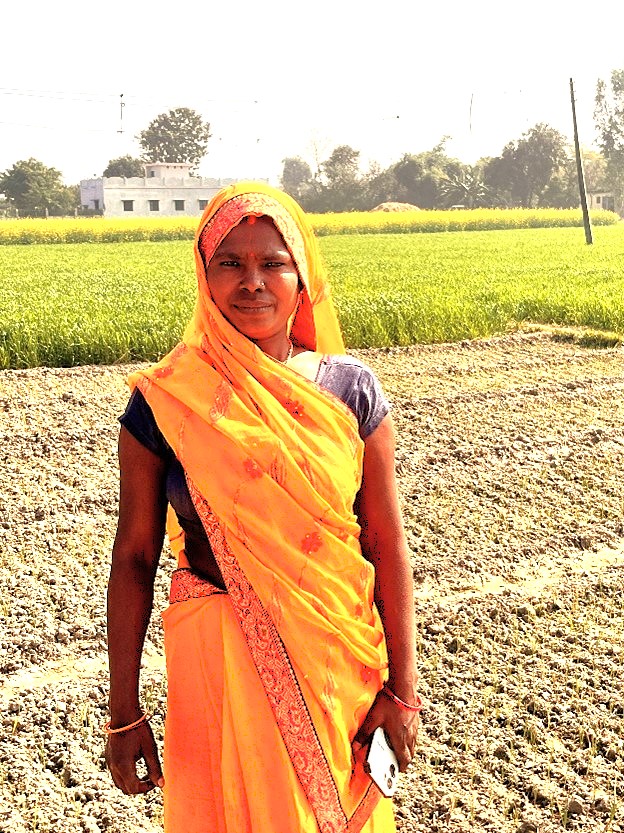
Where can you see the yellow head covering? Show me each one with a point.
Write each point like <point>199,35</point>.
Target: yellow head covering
<point>316,325</point>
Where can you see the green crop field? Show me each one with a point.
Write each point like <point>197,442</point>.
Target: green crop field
<point>69,304</point>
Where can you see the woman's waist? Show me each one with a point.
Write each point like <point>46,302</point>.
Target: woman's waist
<point>187,583</point>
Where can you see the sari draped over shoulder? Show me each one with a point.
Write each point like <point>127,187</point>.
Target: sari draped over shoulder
<point>269,681</point>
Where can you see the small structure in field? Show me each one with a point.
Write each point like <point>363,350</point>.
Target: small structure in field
<point>604,200</point>
<point>395,206</point>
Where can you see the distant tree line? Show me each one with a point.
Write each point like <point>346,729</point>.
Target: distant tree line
<point>536,170</point>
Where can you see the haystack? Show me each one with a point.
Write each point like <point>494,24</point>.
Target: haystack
<point>395,206</point>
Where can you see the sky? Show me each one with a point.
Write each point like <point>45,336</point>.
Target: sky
<point>282,78</point>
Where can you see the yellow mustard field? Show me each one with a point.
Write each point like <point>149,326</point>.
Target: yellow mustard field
<point>127,230</point>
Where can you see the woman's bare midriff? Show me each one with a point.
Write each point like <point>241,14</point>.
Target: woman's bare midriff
<point>202,561</point>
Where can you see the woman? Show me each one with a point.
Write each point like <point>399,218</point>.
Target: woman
<point>251,430</point>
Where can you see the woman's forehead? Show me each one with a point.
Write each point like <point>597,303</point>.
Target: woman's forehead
<point>257,236</point>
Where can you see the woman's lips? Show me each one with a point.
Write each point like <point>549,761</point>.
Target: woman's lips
<point>248,307</point>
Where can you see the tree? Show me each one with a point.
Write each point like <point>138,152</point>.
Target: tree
<point>35,189</point>
<point>525,168</point>
<point>609,118</point>
<point>296,178</point>
<point>177,136</point>
<point>609,113</point>
<point>125,166</point>
<point>467,189</point>
<point>563,189</point>
<point>420,176</point>
<point>342,168</point>
<point>381,186</point>
<point>338,185</point>
<point>595,167</point>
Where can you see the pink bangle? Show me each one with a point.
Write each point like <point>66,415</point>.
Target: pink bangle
<point>408,707</point>
<point>143,719</point>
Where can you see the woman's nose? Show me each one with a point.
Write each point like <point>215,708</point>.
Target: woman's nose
<point>252,277</point>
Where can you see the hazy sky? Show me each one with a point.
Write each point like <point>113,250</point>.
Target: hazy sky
<point>280,78</point>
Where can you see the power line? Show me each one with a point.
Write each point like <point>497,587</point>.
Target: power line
<point>57,96</point>
<point>73,129</point>
<point>73,95</point>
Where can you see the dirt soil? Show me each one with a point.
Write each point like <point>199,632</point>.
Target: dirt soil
<point>510,462</point>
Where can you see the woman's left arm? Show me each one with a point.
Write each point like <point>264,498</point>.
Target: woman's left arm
<point>384,545</point>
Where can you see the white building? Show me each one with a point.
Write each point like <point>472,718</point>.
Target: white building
<point>601,199</point>
<point>166,190</point>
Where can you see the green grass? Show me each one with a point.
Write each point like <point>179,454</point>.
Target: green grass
<point>62,305</point>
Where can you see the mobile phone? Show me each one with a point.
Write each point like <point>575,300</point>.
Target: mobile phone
<point>381,763</point>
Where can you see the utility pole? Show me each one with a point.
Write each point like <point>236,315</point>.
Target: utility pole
<point>580,172</point>
<point>121,109</point>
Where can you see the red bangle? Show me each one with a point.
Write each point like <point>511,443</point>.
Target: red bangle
<point>143,719</point>
<point>408,707</point>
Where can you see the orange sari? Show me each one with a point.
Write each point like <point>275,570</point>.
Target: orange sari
<point>269,682</point>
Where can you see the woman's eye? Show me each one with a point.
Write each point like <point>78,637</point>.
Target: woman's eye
<point>228,263</point>
<point>274,264</point>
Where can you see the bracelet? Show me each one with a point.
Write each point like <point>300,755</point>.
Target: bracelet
<point>143,719</point>
<point>408,707</point>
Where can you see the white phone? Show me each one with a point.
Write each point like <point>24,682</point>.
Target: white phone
<point>381,763</point>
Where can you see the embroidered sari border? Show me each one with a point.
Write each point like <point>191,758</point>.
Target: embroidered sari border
<point>279,680</point>
<point>186,584</point>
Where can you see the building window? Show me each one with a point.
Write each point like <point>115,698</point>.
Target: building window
<point>202,204</point>
<point>152,173</point>
<point>128,205</point>
<point>178,205</point>
<point>154,205</point>
<point>598,199</point>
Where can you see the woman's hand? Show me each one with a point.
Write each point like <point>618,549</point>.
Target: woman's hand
<point>124,750</point>
<point>400,725</point>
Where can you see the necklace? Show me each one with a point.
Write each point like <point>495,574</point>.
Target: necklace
<point>289,354</point>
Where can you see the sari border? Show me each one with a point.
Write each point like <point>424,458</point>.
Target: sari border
<point>187,584</point>
<point>279,682</point>
<point>365,808</point>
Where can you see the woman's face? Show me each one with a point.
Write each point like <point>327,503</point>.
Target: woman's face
<point>254,281</point>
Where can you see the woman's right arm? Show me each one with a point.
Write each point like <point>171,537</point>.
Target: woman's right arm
<point>136,553</point>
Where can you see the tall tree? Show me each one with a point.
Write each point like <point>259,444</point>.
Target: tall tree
<point>609,118</point>
<point>296,178</point>
<point>177,136</point>
<point>34,189</point>
<point>125,166</point>
<point>421,176</point>
<point>562,190</point>
<point>342,186</point>
<point>522,173</point>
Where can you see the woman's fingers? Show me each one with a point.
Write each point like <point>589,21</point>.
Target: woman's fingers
<point>154,770</point>
<point>400,726</point>
<point>402,730</point>
<point>123,751</point>
<point>402,744</point>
